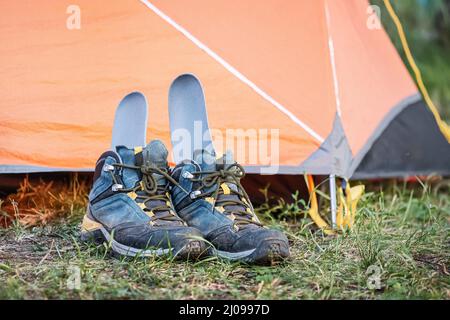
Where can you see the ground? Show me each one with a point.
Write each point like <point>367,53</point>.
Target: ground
<point>399,249</point>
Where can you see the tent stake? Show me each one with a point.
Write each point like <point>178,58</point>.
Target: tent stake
<point>333,199</point>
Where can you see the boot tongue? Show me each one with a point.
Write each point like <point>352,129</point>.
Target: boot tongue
<point>208,161</point>
<point>129,176</point>
<point>225,161</point>
<point>155,155</point>
<point>205,159</point>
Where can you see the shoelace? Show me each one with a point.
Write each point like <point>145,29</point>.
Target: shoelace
<point>152,191</point>
<point>233,174</point>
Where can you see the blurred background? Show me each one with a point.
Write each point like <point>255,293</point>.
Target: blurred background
<point>427,27</point>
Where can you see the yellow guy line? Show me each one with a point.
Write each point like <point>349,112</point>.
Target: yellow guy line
<point>442,125</point>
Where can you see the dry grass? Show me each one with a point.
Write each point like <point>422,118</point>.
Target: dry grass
<point>39,203</point>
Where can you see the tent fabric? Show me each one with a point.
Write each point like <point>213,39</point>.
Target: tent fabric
<point>427,153</point>
<point>312,69</point>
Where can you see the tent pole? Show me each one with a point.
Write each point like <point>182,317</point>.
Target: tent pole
<point>333,199</point>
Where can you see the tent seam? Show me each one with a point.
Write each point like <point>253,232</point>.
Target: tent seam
<point>233,71</point>
<point>333,60</point>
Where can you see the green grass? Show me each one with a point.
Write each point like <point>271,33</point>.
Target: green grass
<point>403,233</point>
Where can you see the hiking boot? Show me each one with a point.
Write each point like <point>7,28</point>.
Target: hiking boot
<point>130,207</point>
<point>209,196</point>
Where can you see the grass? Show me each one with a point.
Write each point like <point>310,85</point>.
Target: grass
<point>399,249</point>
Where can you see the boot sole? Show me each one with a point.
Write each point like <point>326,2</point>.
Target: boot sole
<point>268,252</point>
<point>193,249</point>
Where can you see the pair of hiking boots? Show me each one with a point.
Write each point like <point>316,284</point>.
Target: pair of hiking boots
<point>142,207</point>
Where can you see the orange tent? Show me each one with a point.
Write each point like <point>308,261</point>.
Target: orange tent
<point>333,86</point>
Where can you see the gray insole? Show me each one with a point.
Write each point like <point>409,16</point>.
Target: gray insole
<point>130,122</point>
<point>188,118</point>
